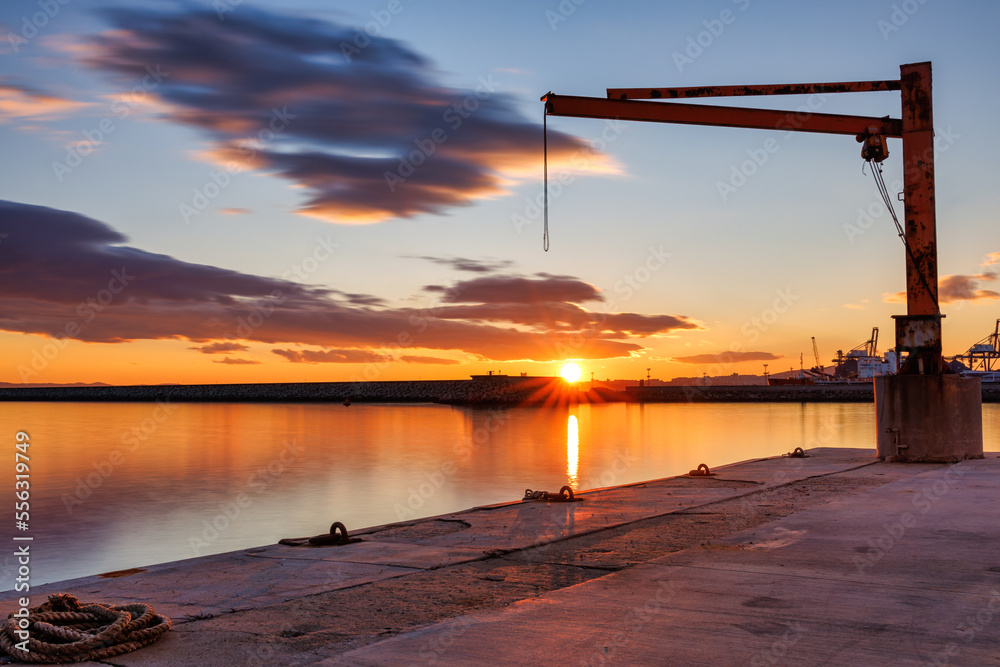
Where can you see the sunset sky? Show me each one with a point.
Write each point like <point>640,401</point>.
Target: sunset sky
<point>312,190</point>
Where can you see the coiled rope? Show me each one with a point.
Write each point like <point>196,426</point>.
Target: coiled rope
<point>64,630</point>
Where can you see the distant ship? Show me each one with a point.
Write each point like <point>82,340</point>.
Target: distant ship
<point>859,365</point>
<point>862,363</point>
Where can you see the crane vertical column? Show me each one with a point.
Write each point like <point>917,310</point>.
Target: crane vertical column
<point>923,414</point>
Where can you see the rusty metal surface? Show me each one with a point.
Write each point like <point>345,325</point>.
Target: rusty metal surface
<point>918,185</point>
<point>917,333</point>
<point>739,91</point>
<point>699,114</point>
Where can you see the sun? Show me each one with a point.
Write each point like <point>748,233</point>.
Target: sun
<point>570,372</point>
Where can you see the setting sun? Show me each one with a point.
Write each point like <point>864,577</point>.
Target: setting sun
<point>570,372</point>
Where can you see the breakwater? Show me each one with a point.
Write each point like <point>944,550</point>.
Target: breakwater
<point>493,390</point>
<point>820,393</point>
<point>489,390</point>
<point>847,393</point>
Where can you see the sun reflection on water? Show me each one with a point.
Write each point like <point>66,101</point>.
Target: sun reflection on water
<point>572,451</point>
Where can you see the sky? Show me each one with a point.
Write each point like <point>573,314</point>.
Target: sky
<point>217,192</point>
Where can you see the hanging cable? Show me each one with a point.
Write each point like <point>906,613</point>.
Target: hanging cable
<point>880,184</point>
<point>545,178</point>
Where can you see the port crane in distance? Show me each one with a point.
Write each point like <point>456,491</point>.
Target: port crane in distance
<point>819,364</point>
<point>984,355</point>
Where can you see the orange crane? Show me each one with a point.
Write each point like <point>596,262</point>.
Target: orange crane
<point>819,364</point>
<point>922,414</point>
<point>919,331</point>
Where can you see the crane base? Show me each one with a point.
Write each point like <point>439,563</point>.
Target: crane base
<point>925,418</point>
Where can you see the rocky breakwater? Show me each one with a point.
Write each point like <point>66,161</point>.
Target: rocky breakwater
<point>491,389</point>
<point>861,393</point>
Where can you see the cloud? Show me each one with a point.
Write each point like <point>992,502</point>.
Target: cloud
<point>966,288</point>
<point>220,348</point>
<point>235,210</point>
<point>330,356</point>
<point>68,276</point>
<point>370,134</point>
<point>956,288</point>
<point>17,101</point>
<point>237,362</point>
<point>465,264</point>
<point>726,358</point>
<point>413,359</point>
<point>547,302</point>
<point>518,289</point>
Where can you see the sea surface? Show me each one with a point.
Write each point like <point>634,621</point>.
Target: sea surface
<point>121,485</point>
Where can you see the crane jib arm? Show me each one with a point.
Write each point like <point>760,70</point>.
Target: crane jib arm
<point>742,91</point>
<point>720,116</point>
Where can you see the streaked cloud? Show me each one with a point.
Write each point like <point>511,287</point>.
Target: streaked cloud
<point>517,289</point>
<point>727,357</point>
<point>68,276</point>
<point>19,101</point>
<point>350,356</point>
<point>370,136</point>
<point>466,264</point>
<point>233,361</point>
<point>417,359</point>
<point>547,302</point>
<point>220,348</point>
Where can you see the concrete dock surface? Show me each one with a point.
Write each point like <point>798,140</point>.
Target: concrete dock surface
<point>833,559</point>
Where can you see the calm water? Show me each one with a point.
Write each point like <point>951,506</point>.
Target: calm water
<point>123,485</point>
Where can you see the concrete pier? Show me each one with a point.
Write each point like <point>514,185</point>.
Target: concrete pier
<point>832,559</point>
